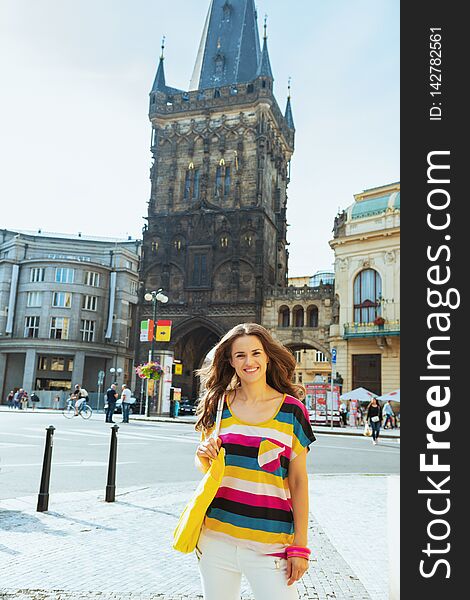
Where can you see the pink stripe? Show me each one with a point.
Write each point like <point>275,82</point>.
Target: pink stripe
<point>243,440</point>
<point>292,400</point>
<point>253,499</point>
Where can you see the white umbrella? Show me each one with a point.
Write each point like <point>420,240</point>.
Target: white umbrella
<point>360,394</point>
<point>393,396</point>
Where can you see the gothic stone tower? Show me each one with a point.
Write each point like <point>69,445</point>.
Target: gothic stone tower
<point>216,234</point>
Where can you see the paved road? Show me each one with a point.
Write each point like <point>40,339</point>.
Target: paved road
<point>148,454</point>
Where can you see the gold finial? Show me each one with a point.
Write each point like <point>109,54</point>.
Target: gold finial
<point>163,47</point>
<point>265,26</point>
<point>288,87</point>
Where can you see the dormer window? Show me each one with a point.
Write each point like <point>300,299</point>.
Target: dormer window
<point>219,64</point>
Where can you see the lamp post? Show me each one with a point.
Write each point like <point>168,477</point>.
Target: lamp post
<point>153,297</point>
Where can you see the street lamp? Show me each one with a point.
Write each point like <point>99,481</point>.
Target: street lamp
<point>118,372</point>
<point>154,297</point>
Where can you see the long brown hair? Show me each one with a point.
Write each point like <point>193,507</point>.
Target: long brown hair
<point>220,376</point>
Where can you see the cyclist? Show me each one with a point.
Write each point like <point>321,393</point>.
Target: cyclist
<point>80,395</point>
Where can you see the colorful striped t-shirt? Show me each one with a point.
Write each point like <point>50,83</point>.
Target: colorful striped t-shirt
<point>252,507</point>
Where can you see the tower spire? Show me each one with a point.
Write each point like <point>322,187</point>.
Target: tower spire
<point>159,84</point>
<point>288,114</point>
<point>229,51</point>
<point>264,68</point>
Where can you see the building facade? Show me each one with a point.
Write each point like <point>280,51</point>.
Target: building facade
<point>216,234</point>
<point>67,310</point>
<point>366,317</point>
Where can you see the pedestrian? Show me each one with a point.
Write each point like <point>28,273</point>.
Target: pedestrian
<point>389,415</point>
<point>34,399</point>
<point>126,404</point>
<point>56,402</point>
<point>16,399</point>
<point>10,397</point>
<point>111,397</point>
<point>257,523</point>
<point>360,415</point>
<point>374,416</point>
<point>343,411</point>
<point>24,400</point>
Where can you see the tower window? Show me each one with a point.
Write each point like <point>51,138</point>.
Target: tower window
<point>249,88</point>
<point>154,246</point>
<point>177,245</point>
<point>216,92</point>
<point>227,181</point>
<point>218,181</point>
<point>224,241</point>
<point>199,271</point>
<point>191,183</point>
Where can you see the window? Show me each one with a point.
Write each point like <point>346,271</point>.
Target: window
<point>367,292</point>
<point>320,357</point>
<point>64,275</point>
<point>154,247</point>
<point>36,275</point>
<point>218,181</point>
<point>34,299</point>
<point>284,316</point>
<point>57,363</point>
<point>248,240</point>
<point>59,328</point>
<point>90,302</point>
<point>199,273</point>
<point>92,278</point>
<point>224,241</point>
<point>298,316</point>
<point>128,264</point>
<point>42,363</point>
<point>31,327</point>
<point>227,181</point>
<point>62,299</point>
<point>133,287</point>
<point>191,183</point>
<point>312,316</point>
<point>88,330</point>
<point>298,356</point>
<point>177,245</point>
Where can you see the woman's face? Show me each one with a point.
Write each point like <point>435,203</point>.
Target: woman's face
<point>249,359</point>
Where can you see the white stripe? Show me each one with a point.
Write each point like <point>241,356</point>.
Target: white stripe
<point>256,431</point>
<point>264,489</point>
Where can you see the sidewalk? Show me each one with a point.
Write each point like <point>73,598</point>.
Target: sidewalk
<point>191,420</point>
<point>84,548</point>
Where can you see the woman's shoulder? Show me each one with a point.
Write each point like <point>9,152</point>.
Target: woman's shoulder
<point>294,405</point>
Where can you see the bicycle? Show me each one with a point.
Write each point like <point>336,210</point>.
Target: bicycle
<point>84,410</point>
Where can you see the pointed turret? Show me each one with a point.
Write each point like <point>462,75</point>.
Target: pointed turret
<point>288,114</point>
<point>159,84</point>
<point>229,52</point>
<point>264,69</point>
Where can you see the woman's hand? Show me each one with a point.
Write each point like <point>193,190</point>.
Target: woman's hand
<point>209,449</point>
<point>296,568</point>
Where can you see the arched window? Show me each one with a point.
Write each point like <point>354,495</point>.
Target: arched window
<point>312,316</point>
<point>367,292</point>
<point>284,316</point>
<point>298,316</point>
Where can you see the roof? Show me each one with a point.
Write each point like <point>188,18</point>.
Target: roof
<point>229,52</point>
<point>374,206</point>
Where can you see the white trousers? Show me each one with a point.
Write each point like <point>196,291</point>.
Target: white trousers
<point>221,566</point>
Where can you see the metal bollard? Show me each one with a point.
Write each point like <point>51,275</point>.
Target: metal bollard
<point>111,486</point>
<point>43,497</point>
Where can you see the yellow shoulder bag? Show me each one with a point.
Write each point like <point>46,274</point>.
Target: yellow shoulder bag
<point>188,529</point>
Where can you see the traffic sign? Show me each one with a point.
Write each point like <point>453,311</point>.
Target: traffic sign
<point>100,377</point>
<point>333,356</point>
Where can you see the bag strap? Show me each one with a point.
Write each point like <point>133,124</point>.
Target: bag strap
<point>218,419</point>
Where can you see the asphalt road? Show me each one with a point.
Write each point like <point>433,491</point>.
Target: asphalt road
<point>148,453</point>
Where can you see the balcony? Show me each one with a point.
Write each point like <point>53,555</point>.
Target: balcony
<point>365,330</point>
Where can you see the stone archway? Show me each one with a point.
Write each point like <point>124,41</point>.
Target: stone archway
<point>194,339</point>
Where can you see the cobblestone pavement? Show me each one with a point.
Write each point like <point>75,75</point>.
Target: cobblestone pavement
<point>86,548</point>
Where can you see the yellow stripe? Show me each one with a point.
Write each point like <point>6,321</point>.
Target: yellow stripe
<point>256,476</point>
<point>243,533</point>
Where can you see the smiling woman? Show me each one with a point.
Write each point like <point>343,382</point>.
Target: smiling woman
<point>256,523</point>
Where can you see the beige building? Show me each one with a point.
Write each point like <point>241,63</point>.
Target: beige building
<point>365,326</point>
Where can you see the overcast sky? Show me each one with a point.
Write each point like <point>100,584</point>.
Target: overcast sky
<point>74,131</point>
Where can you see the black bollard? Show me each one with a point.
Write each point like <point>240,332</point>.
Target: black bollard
<point>43,497</point>
<point>111,486</point>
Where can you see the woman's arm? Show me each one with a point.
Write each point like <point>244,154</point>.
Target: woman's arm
<point>298,486</point>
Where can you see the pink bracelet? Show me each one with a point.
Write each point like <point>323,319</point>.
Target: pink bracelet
<point>298,551</point>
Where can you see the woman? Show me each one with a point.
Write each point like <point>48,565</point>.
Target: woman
<point>257,522</point>
<point>374,416</point>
